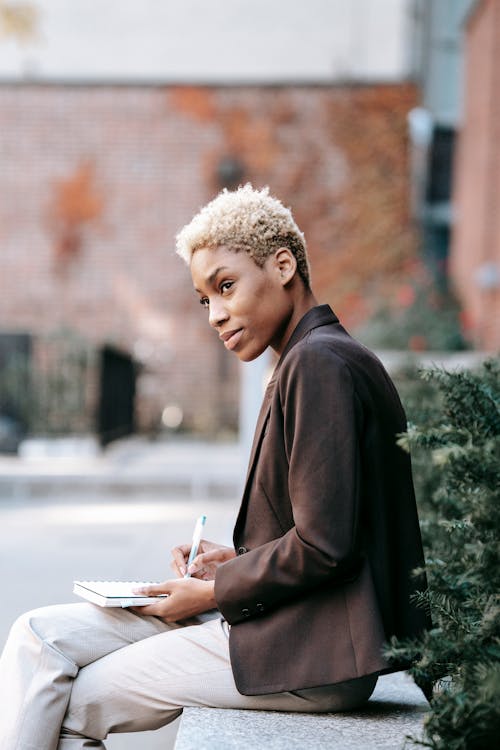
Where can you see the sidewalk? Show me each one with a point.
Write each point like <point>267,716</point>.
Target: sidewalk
<point>134,466</point>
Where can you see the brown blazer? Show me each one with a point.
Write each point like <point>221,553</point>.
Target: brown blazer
<point>327,533</point>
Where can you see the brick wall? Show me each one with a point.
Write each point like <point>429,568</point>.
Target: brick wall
<point>96,181</point>
<point>476,237</point>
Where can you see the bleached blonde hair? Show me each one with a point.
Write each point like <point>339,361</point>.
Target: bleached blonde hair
<point>249,220</point>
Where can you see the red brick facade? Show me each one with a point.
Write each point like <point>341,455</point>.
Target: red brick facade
<point>96,180</point>
<point>476,238</point>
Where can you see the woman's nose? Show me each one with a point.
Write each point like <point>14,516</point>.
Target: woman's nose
<point>217,315</point>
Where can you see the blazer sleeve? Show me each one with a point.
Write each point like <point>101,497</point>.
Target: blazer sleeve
<point>322,419</point>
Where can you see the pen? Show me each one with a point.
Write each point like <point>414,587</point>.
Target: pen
<point>198,530</point>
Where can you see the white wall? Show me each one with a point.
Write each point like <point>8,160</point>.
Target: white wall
<point>441,57</point>
<point>213,41</point>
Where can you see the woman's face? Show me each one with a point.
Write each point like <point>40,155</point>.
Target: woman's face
<point>247,305</point>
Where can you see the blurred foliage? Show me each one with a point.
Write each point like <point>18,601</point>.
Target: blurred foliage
<point>456,459</point>
<point>75,206</point>
<point>18,20</point>
<point>14,398</point>
<point>59,386</point>
<point>422,401</point>
<point>49,394</point>
<point>419,318</point>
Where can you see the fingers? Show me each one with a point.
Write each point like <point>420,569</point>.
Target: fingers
<point>158,609</point>
<point>154,589</point>
<point>179,557</point>
<point>214,555</point>
<point>187,598</point>
<point>146,610</point>
<point>201,561</point>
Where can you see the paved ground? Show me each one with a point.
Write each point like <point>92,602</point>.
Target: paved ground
<point>131,467</point>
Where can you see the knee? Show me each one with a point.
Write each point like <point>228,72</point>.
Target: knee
<point>46,624</point>
<point>31,624</point>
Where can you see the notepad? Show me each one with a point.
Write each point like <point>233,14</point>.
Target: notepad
<point>115,593</point>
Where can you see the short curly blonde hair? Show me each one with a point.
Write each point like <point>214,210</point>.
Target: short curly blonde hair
<point>249,220</point>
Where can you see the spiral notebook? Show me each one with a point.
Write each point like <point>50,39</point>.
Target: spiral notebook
<point>114,593</point>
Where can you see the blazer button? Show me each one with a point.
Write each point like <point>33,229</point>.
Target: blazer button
<point>259,607</point>
<point>245,612</point>
<point>242,550</point>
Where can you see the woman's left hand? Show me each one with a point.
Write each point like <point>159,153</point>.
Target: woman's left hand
<point>186,597</point>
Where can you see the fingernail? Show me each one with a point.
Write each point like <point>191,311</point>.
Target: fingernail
<point>182,570</point>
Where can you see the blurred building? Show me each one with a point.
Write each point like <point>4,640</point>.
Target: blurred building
<point>118,121</point>
<point>434,124</point>
<point>456,155</point>
<point>475,259</point>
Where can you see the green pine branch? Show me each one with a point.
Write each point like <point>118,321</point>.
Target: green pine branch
<point>455,450</point>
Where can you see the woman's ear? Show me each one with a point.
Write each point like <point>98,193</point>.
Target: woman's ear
<point>285,263</point>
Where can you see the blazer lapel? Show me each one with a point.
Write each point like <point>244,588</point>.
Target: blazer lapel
<point>317,316</point>
<point>257,440</point>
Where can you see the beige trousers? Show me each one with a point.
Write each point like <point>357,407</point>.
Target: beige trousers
<point>71,674</point>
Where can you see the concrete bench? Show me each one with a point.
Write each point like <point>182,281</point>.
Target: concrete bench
<point>396,709</point>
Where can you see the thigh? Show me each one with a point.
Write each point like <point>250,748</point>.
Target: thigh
<point>84,632</point>
<point>146,684</point>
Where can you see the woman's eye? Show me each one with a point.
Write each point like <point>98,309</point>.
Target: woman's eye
<point>226,286</point>
<point>204,301</point>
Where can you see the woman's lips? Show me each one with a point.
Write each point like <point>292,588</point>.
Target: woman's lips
<point>231,338</point>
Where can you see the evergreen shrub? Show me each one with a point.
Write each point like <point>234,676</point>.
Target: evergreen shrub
<point>454,437</point>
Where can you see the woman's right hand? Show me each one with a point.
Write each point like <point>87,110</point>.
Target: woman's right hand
<point>210,556</point>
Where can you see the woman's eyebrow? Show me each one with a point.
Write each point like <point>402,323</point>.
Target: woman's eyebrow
<point>213,275</point>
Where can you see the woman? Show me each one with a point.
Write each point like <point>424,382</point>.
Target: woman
<point>324,544</point>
